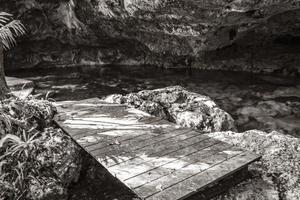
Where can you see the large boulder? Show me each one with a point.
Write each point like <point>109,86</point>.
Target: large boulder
<point>276,175</point>
<point>180,106</point>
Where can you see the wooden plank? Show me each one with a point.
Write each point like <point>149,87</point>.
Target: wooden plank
<point>86,102</point>
<point>130,147</point>
<point>142,137</point>
<point>87,132</point>
<point>86,111</point>
<point>83,132</point>
<point>90,137</point>
<point>191,185</point>
<point>152,120</point>
<point>103,120</point>
<point>154,148</point>
<point>107,138</point>
<point>114,127</point>
<point>147,163</point>
<point>179,162</point>
<point>127,145</point>
<point>185,172</point>
<point>218,187</point>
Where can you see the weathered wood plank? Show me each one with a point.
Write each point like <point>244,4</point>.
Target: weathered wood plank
<point>139,138</point>
<point>79,133</point>
<point>192,184</point>
<point>99,137</point>
<point>147,163</point>
<point>154,152</point>
<point>87,119</point>
<point>185,172</point>
<point>132,148</point>
<point>154,149</point>
<point>89,115</point>
<point>176,164</point>
<point>154,120</point>
<point>218,187</point>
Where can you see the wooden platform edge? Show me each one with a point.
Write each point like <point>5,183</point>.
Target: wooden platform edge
<point>221,185</point>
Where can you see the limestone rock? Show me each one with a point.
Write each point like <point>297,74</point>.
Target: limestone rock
<point>180,106</point>
<point>279,166</point>
<point>47,189</point>
<point>252,189</point>
<point>64,165</point>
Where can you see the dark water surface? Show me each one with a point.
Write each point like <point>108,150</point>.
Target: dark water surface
<point>89,81</point>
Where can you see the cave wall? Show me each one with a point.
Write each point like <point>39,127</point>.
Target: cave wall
<point>247,35</point>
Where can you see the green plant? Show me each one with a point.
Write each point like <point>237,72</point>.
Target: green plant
<point>27,146</point>
<point>10,29</point>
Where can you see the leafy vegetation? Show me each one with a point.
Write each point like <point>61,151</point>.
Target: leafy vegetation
<point>10,29</point>
<point>29,147</point>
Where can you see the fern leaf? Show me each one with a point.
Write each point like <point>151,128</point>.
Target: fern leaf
<point>9,30</point>
<point>10,138</point>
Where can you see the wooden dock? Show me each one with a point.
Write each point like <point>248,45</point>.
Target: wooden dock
<point>156,159</point>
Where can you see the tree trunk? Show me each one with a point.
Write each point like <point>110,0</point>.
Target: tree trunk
<point>4,90</point>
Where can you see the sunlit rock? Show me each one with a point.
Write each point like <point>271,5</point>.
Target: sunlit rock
<point>178,105</point>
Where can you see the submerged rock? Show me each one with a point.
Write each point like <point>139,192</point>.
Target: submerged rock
<point>271,115</point>
<point>284,92</point>
<point>178,105</point>
<point>277,174</point>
